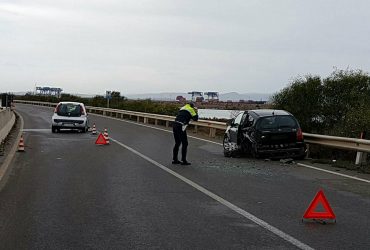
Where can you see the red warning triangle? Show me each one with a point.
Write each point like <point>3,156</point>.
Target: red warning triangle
<point>319,199</point>
<point>101,140</point>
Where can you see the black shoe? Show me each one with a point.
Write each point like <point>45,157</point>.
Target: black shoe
<point>176,162</point>
<point>185,163</point>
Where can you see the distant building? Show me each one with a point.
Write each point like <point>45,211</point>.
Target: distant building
<point>196,96</point>
<point>50,91</point>
<point>212,96</point>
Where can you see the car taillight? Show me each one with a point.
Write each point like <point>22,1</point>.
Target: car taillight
<point>299,135</point>
<point>82,112</point>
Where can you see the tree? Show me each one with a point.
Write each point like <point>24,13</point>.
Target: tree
<point>302,98</point>
<point>337,105</point>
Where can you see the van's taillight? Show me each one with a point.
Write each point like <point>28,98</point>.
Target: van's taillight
<point>299,135</point>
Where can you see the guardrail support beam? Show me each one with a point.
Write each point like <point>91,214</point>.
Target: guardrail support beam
<point>360,158</point>
<point>212,132</point>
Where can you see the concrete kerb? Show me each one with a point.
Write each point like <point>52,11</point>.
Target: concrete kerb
<point>4,168</point>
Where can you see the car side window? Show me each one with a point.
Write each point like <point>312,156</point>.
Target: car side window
<point>238,119</point>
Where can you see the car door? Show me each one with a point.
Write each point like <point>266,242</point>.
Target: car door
<point>234,129</point>
<point>248,129</point>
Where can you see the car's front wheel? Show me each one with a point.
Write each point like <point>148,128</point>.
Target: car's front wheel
<point>54,129</point>
<point>230,148</point>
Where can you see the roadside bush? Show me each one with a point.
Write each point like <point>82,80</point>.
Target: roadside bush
<point>337,105</point>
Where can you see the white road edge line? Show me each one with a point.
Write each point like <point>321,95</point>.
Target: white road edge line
<point>219,199</point>
<point>36,130</point>
<point>331,172</point>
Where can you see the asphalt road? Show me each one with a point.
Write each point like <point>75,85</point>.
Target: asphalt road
<point>65,192</point>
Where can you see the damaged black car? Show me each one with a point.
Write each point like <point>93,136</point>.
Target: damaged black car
<point>264,133</point>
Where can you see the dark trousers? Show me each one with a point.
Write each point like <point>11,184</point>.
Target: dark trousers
<point>180,138</point>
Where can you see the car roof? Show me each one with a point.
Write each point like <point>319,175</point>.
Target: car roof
<point>76,103</point>
<point>269,112</point>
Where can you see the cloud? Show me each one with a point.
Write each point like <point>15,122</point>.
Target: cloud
<point>163,45</point>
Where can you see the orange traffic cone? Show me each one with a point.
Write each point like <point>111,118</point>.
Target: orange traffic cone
<point>106,136</point>
<point>21,145</point>
<point>93,131</point>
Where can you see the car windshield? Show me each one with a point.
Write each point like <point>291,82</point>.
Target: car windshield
<point>69,109</point>
<point>276,122</point>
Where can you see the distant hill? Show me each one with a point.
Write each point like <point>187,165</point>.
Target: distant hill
<point>234,96</point>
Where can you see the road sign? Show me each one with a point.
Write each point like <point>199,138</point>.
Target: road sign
<point>108,94</point>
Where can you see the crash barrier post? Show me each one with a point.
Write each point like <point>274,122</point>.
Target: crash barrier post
<point>361,156</point>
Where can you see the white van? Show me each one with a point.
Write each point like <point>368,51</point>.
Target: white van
<point>70,115</point>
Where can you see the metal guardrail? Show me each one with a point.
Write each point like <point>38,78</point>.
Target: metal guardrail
<point>338,142</point>
<point>354,144</point>
<point>213,126</point>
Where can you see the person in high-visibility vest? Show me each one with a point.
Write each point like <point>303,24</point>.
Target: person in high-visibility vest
<point>185,114</point>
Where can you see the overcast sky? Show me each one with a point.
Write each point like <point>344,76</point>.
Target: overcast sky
<point>143,46</point>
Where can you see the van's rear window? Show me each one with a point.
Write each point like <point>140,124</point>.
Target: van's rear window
<point>276,122</point>
<point>69,109</point>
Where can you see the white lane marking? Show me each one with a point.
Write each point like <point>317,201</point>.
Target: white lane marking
<point>224,202</point>
<point>36,130</point>
<point>331,172</point>
<point>147,126</point>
